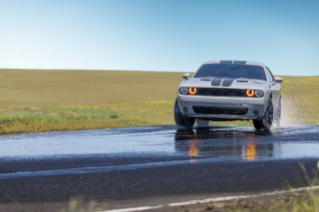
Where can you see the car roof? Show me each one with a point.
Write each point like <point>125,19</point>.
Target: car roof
<point>235,62</point>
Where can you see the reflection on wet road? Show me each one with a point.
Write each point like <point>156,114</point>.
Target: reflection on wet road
<point>132,148</point>
<point>244,143</point>
<point>153,161</point>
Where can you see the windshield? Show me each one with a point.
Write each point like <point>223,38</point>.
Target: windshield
<point>231,71</point>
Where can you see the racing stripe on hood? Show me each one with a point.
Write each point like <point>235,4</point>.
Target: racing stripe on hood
<point>216,81</point>
<point>228,81</point>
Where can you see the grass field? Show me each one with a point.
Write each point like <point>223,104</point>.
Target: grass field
<point>79,87</point>
<point>49,100</point>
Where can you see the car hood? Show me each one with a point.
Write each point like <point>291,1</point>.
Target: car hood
<point>217,82</point>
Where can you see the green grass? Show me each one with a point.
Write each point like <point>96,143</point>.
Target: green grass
<point>16,119</point>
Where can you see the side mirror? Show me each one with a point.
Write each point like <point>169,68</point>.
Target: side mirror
<point>278,79</point>
<point>186,76</point>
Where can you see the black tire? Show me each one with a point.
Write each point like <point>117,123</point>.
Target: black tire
<point>180,120</point>
<point>278,114</point>
<point>266,122</point>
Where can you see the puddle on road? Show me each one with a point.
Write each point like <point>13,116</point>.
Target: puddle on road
<point>241,142</point>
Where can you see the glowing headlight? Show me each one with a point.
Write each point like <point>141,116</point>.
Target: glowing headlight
<point>250,93</point>
<point>183,90</point>
<point>259,93</point>
<point>192,91</point>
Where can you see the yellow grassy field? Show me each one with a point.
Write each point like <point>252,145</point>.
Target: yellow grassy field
<point>300,100</point>
<point>46,100</point>
<point>79,87</point>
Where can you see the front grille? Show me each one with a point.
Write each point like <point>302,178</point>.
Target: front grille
<point>221,92</point>
<point>219,110</point>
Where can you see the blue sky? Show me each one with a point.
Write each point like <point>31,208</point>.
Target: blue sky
<point>159,35</point>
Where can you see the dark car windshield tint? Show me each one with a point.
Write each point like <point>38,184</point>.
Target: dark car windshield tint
<point>231,71</point>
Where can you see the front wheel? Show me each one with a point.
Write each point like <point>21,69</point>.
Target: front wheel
<point>267,120</point>
<point>180,120</point>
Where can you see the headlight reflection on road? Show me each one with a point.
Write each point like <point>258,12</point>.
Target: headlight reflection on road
<point>193,150</point>
<point>210,142</point>
<point>251,152</point>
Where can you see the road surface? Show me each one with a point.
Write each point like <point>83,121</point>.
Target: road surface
<point>153,165</point>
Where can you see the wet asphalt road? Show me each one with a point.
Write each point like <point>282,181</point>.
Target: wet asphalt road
<point>137,163</point>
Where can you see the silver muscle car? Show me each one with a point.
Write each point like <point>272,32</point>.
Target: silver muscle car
<point>229,90</point>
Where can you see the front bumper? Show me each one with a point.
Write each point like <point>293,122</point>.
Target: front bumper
<point>256,106</point>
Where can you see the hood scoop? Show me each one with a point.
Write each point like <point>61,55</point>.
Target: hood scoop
<point>251,81</point>
<point>241,80</point>
<point>205,79</point>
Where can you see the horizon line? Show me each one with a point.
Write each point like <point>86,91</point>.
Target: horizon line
<point>61,69</point>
